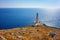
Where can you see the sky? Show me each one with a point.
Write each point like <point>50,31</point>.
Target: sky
<point>29,3</point>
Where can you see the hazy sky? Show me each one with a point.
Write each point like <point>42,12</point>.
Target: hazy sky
<point>29,3</point>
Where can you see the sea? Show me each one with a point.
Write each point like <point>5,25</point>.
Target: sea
<point>22,17</point>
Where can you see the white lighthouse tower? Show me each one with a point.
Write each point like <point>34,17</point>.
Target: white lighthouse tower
<point>37,22</point>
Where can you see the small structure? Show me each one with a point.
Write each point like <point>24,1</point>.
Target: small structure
<point>52,35</point>
<point>37,22</point>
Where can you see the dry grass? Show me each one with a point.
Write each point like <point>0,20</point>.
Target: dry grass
<point>30,33</point>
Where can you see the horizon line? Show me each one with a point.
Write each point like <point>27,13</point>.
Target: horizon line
<point>30,7</point>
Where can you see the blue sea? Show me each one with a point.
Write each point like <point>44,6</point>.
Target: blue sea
<point>22,17</point>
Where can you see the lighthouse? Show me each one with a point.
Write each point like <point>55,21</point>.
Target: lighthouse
<point>37,22</point>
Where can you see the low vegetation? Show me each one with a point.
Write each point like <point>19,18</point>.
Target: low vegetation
<point>41,32</point>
